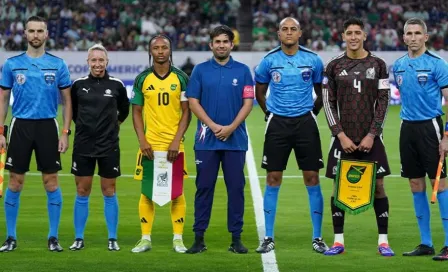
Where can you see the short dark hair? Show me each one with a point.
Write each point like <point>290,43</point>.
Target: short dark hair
<point>415,21</point>
<point>36,19</point>
<point>222,29</point>
<point>353,21</point>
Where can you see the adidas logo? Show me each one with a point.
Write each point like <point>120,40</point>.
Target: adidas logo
<point>143,220</point>
<point>343,73</point>
<point>384,214</point>
<point>180,220</point>
<point>150,88</point>
<point>337,214</point>
<point>381,170</point>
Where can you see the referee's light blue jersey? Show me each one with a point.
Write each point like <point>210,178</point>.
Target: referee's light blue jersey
<point>291,80</point>
<point>221,90</point>
<point>35,83</point>
<point>420,81</point>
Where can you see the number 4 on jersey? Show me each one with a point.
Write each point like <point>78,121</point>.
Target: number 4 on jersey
<point>357,85</point>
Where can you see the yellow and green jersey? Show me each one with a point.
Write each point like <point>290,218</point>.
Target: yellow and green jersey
<point>161,99</point>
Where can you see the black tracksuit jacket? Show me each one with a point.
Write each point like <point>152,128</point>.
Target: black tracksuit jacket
<point>98,105</point>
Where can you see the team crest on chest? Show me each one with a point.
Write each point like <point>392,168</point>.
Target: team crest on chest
<point>108,92</point>
<point>276,77</point>
<point>235,82</point>
<point>370,73</point>
<point>306,74</point>
<point>20,79</point>
<point>399,80</point>
<point>422,79</point>
<point>49,78</point>
<point>173,87</point>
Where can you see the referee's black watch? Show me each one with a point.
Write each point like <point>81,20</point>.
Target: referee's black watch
<point>67,131</point>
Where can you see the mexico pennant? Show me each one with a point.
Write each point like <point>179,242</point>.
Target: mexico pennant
<point>162,181</point>
<point>355,185</point>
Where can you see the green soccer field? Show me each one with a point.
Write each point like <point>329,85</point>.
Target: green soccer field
<point>292,228</point>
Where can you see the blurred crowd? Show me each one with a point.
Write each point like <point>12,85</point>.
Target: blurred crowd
<point>128,25</point>
<point>322,22</point>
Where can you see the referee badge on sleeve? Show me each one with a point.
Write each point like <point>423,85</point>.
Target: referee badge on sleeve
<point>20,79</point>
<point>399,80</point>
<point>276,77</point>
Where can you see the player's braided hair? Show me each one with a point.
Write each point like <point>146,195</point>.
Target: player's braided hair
<point>163,36</point>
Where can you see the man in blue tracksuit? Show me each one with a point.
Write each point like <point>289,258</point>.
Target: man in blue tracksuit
<point>220,93</point>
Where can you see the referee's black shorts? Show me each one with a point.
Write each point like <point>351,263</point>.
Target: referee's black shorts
<point>283,134</point>
<point>419,148</point>
<point>40,135</point>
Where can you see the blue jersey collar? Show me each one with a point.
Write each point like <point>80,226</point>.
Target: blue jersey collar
<point>216,65</point>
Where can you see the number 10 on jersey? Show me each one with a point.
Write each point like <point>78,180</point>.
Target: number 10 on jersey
<point>164,99</point>
<point>356,85</point>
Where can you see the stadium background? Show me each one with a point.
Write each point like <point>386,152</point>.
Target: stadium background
<point>125,28</point>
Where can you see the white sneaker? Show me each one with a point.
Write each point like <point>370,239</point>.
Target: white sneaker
<point>178,246</point>
<point>142,246</point>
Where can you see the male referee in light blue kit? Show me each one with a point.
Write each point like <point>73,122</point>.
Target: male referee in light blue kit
<point>422,78</point>
<point>220,93</point>
<point>35,78</point>
<point>291,71</point>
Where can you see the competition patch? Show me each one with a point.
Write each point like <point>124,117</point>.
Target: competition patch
<point>370,73</point>
<point>325,80</point>
<point>20,79</point>
<point>276,77</point>
<point>399,80</point>
<point>306,75</point>
<point>49,78</point>
<point>422,79</point>
<point>132,94</point>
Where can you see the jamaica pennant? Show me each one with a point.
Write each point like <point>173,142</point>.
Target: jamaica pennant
<point>355,185</point>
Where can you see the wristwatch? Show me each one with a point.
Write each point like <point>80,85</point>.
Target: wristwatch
<point>66,131</point>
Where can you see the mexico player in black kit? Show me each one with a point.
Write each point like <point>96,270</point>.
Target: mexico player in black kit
<point>356,97</point>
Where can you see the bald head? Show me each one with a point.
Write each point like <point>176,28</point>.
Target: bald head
<point>289,19</point>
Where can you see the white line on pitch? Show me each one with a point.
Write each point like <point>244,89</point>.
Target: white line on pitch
<point>268,259</point>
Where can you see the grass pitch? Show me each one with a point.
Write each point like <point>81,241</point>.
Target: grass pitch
<point>292,228</point>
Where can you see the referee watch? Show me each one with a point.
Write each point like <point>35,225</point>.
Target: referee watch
<point>67,131</point>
